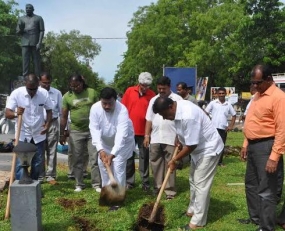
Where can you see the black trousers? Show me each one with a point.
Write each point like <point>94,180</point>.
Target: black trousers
<point>143,164</point>
<point>223,134</point>
<point>261,186</point>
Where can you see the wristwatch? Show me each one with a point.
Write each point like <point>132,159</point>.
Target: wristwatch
<point>15,114</point>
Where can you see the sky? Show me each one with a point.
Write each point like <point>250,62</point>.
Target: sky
<point>97,18</point>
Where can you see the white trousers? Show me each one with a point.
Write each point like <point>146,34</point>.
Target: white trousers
<point>119,171</point>
<point>201,178</point>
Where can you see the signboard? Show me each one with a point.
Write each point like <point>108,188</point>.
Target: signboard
<point>181,74</point>
<point>233,98</point>
<point>214,92</point>
<point>201,87</point>
<point>246,95</point>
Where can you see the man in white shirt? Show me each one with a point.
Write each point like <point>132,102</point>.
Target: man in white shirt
<point>219,110</point>
<point>112,134</point>
<point>31,102</point>
<point>160,136</point>
<point>200,138</point>
<point>53,132</point>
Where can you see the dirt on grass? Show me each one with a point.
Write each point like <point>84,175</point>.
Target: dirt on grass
<point>142,222</point>
<point>71,203</point>
<point>84,224</point>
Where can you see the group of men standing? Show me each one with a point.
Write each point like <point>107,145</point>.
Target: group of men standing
<point>157,124</point>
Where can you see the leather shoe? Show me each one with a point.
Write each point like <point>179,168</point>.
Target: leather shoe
<point>246,221</point>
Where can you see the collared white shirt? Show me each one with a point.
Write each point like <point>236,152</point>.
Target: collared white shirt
<point>194,127</point>
<point>163,131</point>
<point>112,131</point>
<point>56,99</point>
<point>248,105</point>
<point>33,116</point>
<point>220,112</point>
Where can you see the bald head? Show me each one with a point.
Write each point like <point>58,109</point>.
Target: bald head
<point>32,79</point>
<point>161,104</point>
<point>165,107</point>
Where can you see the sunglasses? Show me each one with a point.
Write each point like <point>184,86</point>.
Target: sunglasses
<point>32,89</point>
<point>256,82</point>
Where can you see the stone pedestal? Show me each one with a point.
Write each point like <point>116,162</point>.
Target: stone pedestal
<point>26,210</point>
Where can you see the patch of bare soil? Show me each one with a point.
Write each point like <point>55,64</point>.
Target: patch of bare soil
<point>71,203</point>
<point>84,224</point>
<point>231,150</point>
<point>143,224</point>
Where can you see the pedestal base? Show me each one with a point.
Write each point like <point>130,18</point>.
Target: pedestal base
<point>26,210</point>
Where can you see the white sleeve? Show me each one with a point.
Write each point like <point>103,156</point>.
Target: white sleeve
<point>209,107</point>
<point>122,131</point>
<point>149,113</point>
<point>12,101</point>
<point>190,125</point>
<point>95,128</point>
<point>232,110</point>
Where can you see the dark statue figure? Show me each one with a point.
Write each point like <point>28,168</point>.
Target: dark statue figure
<point>31,28</point>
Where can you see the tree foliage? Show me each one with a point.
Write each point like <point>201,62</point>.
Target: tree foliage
<point>224,39</point>
<point>10,49</point>
<point>66,53</point>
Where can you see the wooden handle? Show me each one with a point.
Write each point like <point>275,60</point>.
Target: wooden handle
<point>12,174</point>
<point>152,215</point>
<point>110,174</point>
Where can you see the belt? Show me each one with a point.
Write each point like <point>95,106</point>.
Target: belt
<point>53,119</point>
<point>260,140</point>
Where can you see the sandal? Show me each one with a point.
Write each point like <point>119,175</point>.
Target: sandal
<point>169,197</point>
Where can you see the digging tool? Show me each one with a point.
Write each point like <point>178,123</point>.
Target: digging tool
<point>112,194</point>
<point>146,223</point>
<point>153,213</point>
<point>19,125</point>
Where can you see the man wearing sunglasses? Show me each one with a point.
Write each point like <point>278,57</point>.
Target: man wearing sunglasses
<point>263,147</point>
<point>31,101</point>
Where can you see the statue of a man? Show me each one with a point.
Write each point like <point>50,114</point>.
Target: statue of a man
<point>31,28</point>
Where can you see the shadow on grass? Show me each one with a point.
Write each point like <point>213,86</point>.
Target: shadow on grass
<point>79,223</point>
<point>220,208</point>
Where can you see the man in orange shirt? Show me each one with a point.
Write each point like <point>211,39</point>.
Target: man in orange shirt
<point>263,146</point>
<point>136,100</point>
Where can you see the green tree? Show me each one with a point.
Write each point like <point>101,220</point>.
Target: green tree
<point>223,38</point>
<point>66,53</point>
<point>10,49</point>
<point>158,36</point>
<point>213,45</point>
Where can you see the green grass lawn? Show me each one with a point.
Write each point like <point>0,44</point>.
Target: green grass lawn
<point>227,202</point>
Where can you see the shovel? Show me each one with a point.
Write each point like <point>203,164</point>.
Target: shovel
<point>19,125</point>
<point>153,222</point>
<point>112,194</point>
<point>154,210</point>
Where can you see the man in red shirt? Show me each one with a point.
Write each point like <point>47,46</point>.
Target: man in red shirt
<point>136,100</point>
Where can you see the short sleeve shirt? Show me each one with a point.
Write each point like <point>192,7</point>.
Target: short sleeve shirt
<point>79,107</point>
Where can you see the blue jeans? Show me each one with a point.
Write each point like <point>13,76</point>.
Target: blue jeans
<point>36,165</point>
